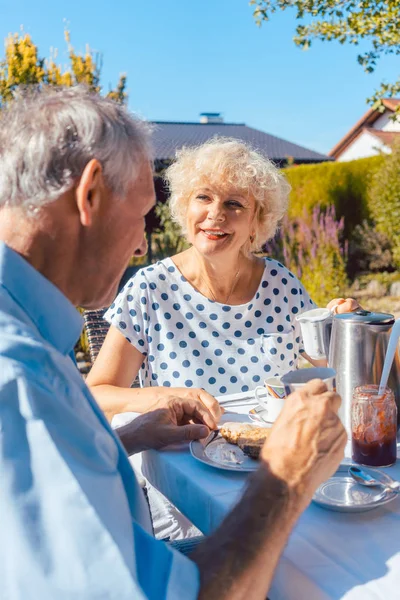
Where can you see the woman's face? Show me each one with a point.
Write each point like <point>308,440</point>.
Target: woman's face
<point>218,220</point>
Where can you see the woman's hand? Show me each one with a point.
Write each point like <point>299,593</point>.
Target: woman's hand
<point>341,305</point>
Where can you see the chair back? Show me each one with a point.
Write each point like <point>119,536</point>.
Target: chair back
<point>96,330</point>
<point>97,327</point>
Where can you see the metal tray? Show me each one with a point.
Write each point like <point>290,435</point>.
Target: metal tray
<point>342,494</point>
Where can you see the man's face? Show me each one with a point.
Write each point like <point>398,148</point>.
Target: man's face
<point>122,235</point>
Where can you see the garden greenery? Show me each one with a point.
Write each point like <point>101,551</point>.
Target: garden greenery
<point>312,247</point>
<point>384,200</point>
<point>343,185</point>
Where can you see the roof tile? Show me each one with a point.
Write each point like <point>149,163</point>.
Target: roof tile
<point>168,137</point>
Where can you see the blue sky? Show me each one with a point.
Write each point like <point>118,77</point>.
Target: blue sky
<point>187,57</point>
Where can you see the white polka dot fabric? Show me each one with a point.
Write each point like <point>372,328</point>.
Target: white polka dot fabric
<point>188,340</point>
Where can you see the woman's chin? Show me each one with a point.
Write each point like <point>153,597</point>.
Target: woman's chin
<point>210,249</point>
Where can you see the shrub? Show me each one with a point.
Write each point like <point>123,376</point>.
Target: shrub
<point>369,250</point>
<point>384,200</point>
<point>343,185</point>
<point>311,248</point>
<point>385,279</point>
<point>167,239</point>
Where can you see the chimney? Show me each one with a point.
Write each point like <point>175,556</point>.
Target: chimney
<point>208,117</point>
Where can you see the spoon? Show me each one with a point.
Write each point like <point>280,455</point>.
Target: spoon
<point>391,351</point>
<point>365,479</point>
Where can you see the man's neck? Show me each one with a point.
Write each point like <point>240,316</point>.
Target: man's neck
<point>41,244</point>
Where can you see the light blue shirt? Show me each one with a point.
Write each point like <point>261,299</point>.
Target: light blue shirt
<point>74,522</point>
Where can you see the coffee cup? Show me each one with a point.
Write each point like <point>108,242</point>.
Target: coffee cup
<point>271,396</point>
<point>295,380</point>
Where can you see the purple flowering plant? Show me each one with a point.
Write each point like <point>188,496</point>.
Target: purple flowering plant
<point>312,247</point>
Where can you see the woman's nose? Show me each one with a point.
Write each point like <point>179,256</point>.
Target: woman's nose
<point>216,213</point>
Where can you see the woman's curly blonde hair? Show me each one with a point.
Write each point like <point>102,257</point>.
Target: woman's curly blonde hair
<point>233,165</point>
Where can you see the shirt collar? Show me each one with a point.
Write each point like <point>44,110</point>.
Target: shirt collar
<point>55,317</point>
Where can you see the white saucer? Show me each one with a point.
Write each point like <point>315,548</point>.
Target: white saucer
<point>259,415</point>
<point>341,493</point>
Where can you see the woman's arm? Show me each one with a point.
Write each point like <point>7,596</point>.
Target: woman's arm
<point>113,372</point>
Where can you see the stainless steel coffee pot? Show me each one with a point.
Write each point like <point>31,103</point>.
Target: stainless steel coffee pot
<point>355,344</point>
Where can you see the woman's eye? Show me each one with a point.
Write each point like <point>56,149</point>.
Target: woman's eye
<point>234,204</point>
<point>201,197</point>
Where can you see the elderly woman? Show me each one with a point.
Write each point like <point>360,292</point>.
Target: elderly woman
<point>215,317</point>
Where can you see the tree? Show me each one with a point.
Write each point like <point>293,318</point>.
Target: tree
<point>23,66</point>
<point>351,21</point>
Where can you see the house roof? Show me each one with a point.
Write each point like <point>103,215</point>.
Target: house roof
<point>387,137</point>
<point>391,103</point>
<point>168,137</point>
<point>366,120</point>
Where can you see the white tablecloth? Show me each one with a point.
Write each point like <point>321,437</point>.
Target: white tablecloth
<point>329,555</point>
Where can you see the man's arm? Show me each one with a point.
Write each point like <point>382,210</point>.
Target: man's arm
<point>239,559</point>
<point>304,449</point>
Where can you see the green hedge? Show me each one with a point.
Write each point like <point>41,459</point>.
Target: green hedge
<point>342,184</point>
<point>385,200</point>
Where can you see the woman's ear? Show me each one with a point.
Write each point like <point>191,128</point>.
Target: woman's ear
<point>89,192</point>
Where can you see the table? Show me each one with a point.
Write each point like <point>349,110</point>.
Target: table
<point>329,555</point>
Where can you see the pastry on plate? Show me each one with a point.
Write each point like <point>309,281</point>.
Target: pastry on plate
<point>232,430</point>
<point>250,438</point>
<point>252,441</point>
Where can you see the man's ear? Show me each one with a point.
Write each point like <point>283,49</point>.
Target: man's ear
<point>89,192</point>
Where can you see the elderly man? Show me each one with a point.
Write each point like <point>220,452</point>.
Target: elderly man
<point>75,186</point>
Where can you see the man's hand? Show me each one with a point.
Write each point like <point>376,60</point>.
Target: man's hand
<point>176,420</point>
<point>307,441</point>
<point>164,395</point>
<point>341,305</point>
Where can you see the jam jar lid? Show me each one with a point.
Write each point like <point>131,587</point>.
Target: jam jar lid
<point>367,317</point>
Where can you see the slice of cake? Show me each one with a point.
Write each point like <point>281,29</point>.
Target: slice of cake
<point>252,441</point>
<point>250,438</point>
<point>232,430</point>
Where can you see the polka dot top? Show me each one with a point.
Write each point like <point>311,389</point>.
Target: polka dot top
<point>188,340</point>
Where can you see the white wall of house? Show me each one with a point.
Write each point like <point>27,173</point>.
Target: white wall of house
<point>384,123</point>
<point>365,145</point>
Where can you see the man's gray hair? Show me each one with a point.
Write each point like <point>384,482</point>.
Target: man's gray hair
<point>47,137</point>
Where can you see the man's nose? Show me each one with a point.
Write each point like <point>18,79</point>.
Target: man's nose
<point>142,249</point>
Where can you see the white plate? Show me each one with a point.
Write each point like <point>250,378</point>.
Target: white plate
<point>222,455</point>
<point>342,493</point>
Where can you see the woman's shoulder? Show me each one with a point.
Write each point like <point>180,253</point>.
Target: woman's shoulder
<point>149,272</point>
<point>275,268</point>
<point>287,282</point>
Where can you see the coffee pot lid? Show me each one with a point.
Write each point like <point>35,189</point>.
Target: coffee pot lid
<point>367,317</point>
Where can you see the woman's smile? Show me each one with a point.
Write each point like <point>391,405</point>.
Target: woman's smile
<point>214,234</point>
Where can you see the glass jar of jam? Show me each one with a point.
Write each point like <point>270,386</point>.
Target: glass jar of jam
<point>374,426</point>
